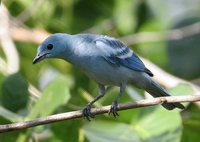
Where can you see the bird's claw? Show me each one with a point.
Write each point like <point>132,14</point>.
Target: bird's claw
<point>87,112</point>
<point>113,109</point>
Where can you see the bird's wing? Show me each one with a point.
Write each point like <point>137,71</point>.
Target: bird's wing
<point>117,53</point>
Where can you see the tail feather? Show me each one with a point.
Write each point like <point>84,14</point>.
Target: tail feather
<point>157,91</point>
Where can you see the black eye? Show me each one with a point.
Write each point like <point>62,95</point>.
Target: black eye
<point>49,46</point>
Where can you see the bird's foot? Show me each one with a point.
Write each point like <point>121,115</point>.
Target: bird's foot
<point>113,109</point>
<point>87,112</point>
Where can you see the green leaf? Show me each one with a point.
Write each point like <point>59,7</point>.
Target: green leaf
<point>22,137</point>
<point>10,137</point>
<point>125,15</point>
<point>159,125</point>
<point>54,95</point>
<point>154,51</point>
<point>66,129</point>
<point>181,90</point>
<point>14,92</point>
<point>191,132</point>
<point>1,81</point>
<point>107,131</point>
<point>191,124</point>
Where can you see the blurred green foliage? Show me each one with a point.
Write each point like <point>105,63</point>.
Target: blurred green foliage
<point>64,88</point>
<point>14,88</point>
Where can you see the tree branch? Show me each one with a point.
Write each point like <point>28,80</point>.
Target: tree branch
<point>174,34</point>
<point>37,35</point>
<point>96,111</point>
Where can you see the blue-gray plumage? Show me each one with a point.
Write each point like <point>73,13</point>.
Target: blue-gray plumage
<point>106,60</point>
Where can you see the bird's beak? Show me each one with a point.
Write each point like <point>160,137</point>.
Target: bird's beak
<point>39,57</point>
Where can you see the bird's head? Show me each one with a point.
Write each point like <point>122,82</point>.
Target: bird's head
<point>53,47</point>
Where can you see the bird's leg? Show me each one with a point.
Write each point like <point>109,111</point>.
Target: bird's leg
<point>113,108</point>
<point>87,109</point>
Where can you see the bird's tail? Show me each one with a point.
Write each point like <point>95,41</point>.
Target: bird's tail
<point>157,91</point>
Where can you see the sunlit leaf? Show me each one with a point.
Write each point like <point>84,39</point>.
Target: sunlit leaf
<point>53,96</point>
<point>159,125</point>
<point>154,51</point>
<point>181,90</point>
<point>105,131</point>
<point>125,15</point>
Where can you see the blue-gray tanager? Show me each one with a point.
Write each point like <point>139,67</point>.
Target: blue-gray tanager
<point>106,60</point>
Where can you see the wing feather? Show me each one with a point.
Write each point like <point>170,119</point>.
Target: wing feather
<point>117,53</point>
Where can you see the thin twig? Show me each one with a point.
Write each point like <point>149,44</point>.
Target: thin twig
<point>28,35</point>
<point>174,34</point>
<point>37,36</point>
<point>95,111</point>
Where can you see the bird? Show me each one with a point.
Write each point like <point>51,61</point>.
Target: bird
<point>105,59</point>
